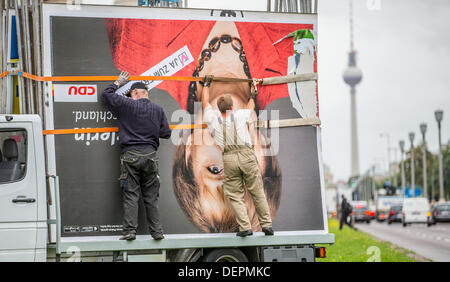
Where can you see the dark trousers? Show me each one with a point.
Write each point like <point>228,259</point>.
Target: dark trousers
<point>139,176</point>
<point>343,220</point>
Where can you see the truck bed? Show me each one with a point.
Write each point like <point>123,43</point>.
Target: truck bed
<point>190,241</point>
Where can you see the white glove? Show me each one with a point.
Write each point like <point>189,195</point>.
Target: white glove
<point>122,79</point>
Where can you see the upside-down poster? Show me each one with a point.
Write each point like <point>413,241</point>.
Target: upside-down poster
<point>96,41</point>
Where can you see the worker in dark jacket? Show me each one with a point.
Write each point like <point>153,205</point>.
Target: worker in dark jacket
<point>141,124</point>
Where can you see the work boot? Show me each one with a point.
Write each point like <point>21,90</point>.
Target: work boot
<point>128,237</point>
<point>158,236</point>
<point>244,233</point>
<point>268,231</point>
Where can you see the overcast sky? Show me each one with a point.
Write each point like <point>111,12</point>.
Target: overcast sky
<point>403,52</point>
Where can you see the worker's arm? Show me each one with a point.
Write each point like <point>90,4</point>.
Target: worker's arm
<point>207,110</point>
<point>164,130</point>
<point>205,91</point>
<point>252,127</point>
<point>112,100</point>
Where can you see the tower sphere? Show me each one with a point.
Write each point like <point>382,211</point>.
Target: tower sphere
<point>352,76</point>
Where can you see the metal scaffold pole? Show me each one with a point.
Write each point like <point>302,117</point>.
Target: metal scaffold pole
<point>4,15</point>
<point>295,6</point>
<point>2,59</point>
<point>27,50</point>
<point>28,33</point>
<point>292,6</point>
<point>22,97</point>
<point>37,56</point>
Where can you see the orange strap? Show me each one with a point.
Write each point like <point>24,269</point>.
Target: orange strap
<point>114,129</point>
<point>5,73</point>
<point>134,77</point>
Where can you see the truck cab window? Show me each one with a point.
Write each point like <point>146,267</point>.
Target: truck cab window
<point>13,155</point>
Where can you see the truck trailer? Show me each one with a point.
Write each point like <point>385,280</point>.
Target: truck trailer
<point>60,196</point>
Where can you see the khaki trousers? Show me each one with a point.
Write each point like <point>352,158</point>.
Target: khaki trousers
<point>241,166</point>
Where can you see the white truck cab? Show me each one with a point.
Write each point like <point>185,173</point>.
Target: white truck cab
<point>23,208</point>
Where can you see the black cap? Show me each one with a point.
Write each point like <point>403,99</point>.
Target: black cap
<point>136,85</point>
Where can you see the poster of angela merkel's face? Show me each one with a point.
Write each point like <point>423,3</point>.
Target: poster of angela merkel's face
<point>223,49</point>
<point>195,43</point>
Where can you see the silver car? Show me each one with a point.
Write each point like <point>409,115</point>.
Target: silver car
<point>441,212</point>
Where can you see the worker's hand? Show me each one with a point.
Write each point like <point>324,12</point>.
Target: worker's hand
<point>207,80</point>
<point>122,79</point>
<point>254,88</point>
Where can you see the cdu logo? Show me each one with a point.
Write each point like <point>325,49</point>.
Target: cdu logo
<point>74,93</point>
<point>183,57</point>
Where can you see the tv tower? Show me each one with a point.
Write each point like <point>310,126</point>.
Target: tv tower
<point>352,76</point>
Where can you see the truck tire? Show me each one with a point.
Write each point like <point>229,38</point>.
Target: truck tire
<point>225,255</point>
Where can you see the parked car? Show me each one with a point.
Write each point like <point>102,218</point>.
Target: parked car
<point>416,210</point>
<point>395,214</point>
<point>441,212</point>
<point>361,211</point>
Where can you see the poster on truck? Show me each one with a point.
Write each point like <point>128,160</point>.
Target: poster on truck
<point>102,41</point>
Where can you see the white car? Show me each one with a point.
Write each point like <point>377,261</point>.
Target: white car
<point>416,210</point>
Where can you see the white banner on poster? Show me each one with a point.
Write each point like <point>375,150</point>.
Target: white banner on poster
<point>167,67</point>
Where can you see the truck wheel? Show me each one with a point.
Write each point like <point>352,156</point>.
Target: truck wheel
<point>225,255</point>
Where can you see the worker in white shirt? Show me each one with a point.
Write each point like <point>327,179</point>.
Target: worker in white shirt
<point>234,132</point>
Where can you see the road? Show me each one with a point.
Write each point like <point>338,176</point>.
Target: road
<point>431,242</point>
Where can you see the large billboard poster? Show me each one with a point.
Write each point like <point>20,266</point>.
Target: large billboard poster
<point>102,41</point>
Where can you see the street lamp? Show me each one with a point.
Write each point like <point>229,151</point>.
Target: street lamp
<point>389,154</point>
<point>413,185</point>
<point>423,129</point>
<point>374,188</point>
<point>395,168</point>
<point>439,114</point>
<point>402,147</point>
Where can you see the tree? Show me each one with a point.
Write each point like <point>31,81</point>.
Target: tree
<point>432,170</point>
<point>446,172</point>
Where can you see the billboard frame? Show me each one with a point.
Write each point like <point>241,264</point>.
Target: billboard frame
<point>92,11</point>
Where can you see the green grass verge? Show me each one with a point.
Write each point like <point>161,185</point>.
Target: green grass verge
<point>356,246</point>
